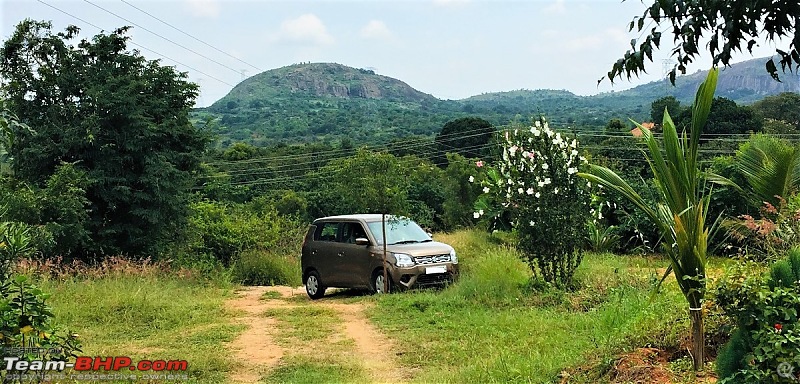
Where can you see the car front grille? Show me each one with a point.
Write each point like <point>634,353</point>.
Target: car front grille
<point>433,259</point>
<point>434,279</point>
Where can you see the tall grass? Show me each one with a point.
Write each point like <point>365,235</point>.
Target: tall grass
<point>493,326</point>
<point>143,310</point>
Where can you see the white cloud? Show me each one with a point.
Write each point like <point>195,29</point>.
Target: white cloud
<point>307,29</point>
<point>376,29</point>
<point>557,8</point>
<point>203,8</point>
<point>608,38</point>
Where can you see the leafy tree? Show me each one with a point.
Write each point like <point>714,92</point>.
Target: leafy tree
<point>726,117</point>
<point>729,26</point>
<point>784,107</point>
<point>468,136</point>
<point>682,206</point>
<point>460,193</point>
<point>118,117</point>
<point>668,103</point>
<point>616,126</point>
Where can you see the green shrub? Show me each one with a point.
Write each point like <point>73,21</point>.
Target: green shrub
<point>226,230</point>
<point>26,321</point>
<point>766,316</point>
<point>255,267</point>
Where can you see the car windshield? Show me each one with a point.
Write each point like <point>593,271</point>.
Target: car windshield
<point>399,231</point>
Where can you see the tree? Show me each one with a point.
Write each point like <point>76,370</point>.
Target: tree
<point>121,119</point>
<point>726,117</point>
<point>668,103</point>
<point>729,26</point>
<point>784,107</point>
<point>682,206</point>
<point>468,136</point>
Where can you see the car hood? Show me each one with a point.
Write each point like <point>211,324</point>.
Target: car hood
<point>420,249</point>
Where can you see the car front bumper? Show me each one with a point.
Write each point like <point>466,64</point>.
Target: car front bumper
<point>424,275</point>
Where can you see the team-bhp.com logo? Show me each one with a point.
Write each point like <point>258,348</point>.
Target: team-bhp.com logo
<point>85,363</point>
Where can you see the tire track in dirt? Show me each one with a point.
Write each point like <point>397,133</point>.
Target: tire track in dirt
<point>254,347</point>
<point>374,350</point>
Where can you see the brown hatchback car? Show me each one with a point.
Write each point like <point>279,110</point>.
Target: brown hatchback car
<point>347,252</point>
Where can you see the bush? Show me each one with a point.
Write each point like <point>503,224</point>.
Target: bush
<point>256,267</point>
<point>26,321</point>
<point>537,183</point>
<point>766,316</point>
<point>225,230</point>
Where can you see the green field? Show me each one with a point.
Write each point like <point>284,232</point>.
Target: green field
<point>493,325</point>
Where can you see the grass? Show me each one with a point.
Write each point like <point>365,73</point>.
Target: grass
<point>315,356</point>
<point>147,315</point>
<point>491,326</point>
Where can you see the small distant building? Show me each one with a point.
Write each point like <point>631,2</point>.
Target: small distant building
<point>637,132</point>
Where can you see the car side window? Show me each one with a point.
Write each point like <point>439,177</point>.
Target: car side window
<point>351,232</point>
<point>326,232</point>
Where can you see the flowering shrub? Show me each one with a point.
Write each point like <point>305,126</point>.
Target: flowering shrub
<point>776,230</point>
<point>535,190</point>
<point>766,316</point>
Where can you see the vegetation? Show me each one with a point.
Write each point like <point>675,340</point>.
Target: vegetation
<point>765,311</point>
<point>730,28</point>
<point>536,186</point>
<point>682,206</point>
<point>119,119</point>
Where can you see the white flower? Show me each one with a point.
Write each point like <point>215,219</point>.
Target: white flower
<point>538,195</point>
<point>485,189</point>
<point>599,215</point>
<point>472,179</point>
<point>574,152</point>
<point>545,166</point>
<point>530,191</point>
<point>547,180</point>
<point>574,143</point>
<point>520,190</point>
<point>532,223</point>
<point>555,191</point>
<point>510,181</point>
<point>572,170</point>
<point>537,133</point>
<point>537,123</point>
<point>541,184</point>
<point>480,212</point>
<point>512,150</point>
<point>476,215</point>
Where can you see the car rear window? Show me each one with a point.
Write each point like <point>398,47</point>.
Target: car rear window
<point>326,232</point>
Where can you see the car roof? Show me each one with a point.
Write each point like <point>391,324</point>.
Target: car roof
<point>366,217</point>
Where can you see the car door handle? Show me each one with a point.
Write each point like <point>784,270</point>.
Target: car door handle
<point>340,254</point>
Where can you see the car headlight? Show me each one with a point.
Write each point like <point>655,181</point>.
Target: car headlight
<point>403,261</point>
<point>453,257</point>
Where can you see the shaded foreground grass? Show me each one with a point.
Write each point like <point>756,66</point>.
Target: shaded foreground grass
<point>492,326</point>
<point>149,316</point>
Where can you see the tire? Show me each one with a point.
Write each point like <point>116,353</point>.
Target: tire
<point>314,287</point>
<point>376,283</point>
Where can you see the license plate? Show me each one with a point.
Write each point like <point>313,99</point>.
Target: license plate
<point>436,269</point>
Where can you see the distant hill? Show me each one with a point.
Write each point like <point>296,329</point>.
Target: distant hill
<point>329,102</point>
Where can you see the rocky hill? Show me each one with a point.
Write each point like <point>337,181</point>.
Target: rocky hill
<point>325,101</point>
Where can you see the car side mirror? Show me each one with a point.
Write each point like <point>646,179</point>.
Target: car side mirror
<point>362,241</point>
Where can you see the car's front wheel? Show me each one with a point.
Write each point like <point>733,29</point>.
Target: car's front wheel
<point>378,283</point>
<point>314,287</point>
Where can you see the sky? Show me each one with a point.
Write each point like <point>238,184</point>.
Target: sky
<point>451,49</point>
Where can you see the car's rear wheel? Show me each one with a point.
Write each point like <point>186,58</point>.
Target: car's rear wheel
<point>314,287</point>
<point>378,283</point>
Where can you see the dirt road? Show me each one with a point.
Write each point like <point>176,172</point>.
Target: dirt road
<point>273,338</point>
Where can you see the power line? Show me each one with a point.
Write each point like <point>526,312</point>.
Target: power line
<point>189,35</point>
<point>165,38</point>
<point>135,44</point>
